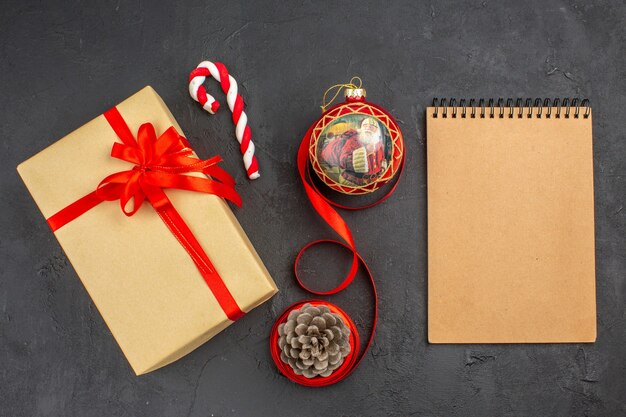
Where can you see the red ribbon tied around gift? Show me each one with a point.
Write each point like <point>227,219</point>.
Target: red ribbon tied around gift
<point>164,162</point>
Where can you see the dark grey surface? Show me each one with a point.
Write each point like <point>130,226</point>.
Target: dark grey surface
<point>64,62</point>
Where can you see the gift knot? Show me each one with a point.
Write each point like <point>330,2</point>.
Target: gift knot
<point>142,168</point>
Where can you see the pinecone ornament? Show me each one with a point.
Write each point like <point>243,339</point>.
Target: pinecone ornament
<point>314,341</point>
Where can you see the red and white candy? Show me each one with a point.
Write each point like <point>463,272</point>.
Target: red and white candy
<point>242,131</point>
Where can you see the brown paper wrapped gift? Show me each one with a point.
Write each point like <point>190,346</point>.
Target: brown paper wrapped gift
<point>141,279</point>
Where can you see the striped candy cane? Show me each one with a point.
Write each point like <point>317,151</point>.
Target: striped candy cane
<point>242,131</point>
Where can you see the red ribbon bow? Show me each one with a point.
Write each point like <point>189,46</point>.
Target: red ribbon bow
<point>163,162</point>
<point>160,163</point>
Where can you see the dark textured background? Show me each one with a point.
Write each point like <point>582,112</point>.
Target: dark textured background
<point>64,62</point>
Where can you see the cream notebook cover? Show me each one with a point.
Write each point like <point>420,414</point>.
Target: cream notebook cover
<point>510,222</point>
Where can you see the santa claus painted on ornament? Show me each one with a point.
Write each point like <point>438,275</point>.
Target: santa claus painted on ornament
<point>359,154</point>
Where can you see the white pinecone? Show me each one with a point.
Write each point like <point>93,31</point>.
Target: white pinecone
<point>313,341</point>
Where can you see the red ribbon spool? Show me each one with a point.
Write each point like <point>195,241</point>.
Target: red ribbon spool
<point>339,373</point>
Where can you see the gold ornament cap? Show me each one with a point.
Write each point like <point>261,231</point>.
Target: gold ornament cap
<point>355,93</point>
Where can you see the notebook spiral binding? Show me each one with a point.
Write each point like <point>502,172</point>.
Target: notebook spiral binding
<point>538,108</point>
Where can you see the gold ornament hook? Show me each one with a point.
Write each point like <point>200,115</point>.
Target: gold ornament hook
<point>340,87</point>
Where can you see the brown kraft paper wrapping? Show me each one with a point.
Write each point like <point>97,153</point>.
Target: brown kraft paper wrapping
<point>143,282</point>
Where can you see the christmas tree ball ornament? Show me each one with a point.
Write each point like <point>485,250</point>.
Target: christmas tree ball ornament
<point>314,343</point>
<point>242,131</point>
<point>355,147</point>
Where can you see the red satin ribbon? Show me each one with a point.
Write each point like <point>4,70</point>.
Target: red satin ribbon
<point>160,163</point>
<point>334,220</point>
<point>324,207</point>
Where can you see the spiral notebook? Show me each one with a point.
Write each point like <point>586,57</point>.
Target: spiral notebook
<point>511,254</point>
